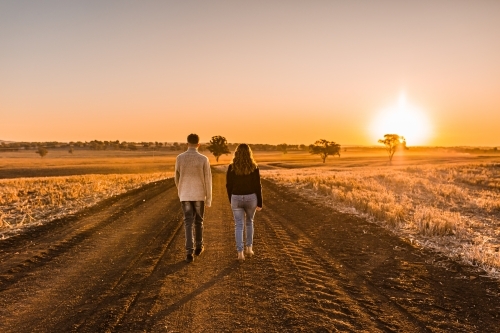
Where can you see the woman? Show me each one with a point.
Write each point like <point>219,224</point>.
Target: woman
<point>245,195</point>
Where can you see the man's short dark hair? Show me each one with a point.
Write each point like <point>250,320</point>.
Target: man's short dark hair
<point>193,139</point>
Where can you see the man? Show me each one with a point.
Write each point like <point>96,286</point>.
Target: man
<point>193,179</point>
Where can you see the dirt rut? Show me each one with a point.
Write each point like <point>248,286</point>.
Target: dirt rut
<point>119,267</point>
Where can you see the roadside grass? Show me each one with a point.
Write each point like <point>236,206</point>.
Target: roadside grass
<point>28,201</point>
<point>454,210</point>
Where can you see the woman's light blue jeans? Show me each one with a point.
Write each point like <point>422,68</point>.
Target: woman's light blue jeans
<point>243,207</point>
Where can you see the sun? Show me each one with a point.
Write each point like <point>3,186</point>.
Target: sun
<point>405,120</point>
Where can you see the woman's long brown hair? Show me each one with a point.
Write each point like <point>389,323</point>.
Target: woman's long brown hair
<point>243,162</point>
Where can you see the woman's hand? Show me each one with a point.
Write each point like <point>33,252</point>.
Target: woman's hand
<point>259,209</point>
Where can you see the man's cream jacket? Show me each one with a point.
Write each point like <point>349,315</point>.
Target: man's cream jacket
<point>193,177</point>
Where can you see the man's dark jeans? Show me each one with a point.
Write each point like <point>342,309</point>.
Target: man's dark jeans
<point>193,217</point>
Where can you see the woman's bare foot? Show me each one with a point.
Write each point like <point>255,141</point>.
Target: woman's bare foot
<point>241,256</point>
<point>249,251</point>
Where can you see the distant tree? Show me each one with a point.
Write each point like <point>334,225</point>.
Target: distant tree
<point>324,148</point>
<point>495,149</point>
<point>392,143</point>
<point>283,148</point>
<point>218,146</point>
<point>303,147</point>
<point>132,146</point>
<point>70,150</point>
<point>42,151</point>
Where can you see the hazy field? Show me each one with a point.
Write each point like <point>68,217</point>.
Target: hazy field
<point>59,162</point>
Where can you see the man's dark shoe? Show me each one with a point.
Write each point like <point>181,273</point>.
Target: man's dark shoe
<point>189,258</point>
<point>199,251</point>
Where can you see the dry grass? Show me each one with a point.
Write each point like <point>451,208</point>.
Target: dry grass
<point>452,209</point>
<point>26,201</point>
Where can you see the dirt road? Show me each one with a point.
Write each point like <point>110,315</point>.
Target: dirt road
<point>119,267</point>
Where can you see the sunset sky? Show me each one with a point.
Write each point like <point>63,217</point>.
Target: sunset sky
<point>252,71</point>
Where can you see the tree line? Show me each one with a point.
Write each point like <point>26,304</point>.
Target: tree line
<point>93,145</point>
<point>130,145</point>
<point>218,146</point>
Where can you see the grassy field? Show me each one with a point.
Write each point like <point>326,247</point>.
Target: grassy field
<point>435,198</point>
<point>28,201</point>
<point>447,202</point>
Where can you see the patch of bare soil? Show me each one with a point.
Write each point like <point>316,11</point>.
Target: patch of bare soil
<point>119,267</point>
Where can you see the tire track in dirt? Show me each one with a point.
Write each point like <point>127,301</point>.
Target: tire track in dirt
<point>335,299</point>
<point>83,282</point>
<point>67,233</point>
<point>403,278</point>
<point>121,296</point>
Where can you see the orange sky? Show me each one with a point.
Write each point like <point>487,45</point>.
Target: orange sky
<point>258,72</point>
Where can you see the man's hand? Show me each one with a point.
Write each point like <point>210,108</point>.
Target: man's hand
<point>259,209</point>
<point>208,205</point>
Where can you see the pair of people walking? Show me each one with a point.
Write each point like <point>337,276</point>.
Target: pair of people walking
<point>193,179</point>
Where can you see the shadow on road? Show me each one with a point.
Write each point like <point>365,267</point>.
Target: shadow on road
<point>207,285</point>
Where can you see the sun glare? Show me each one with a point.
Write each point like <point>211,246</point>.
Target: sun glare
<point>405,120</point>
